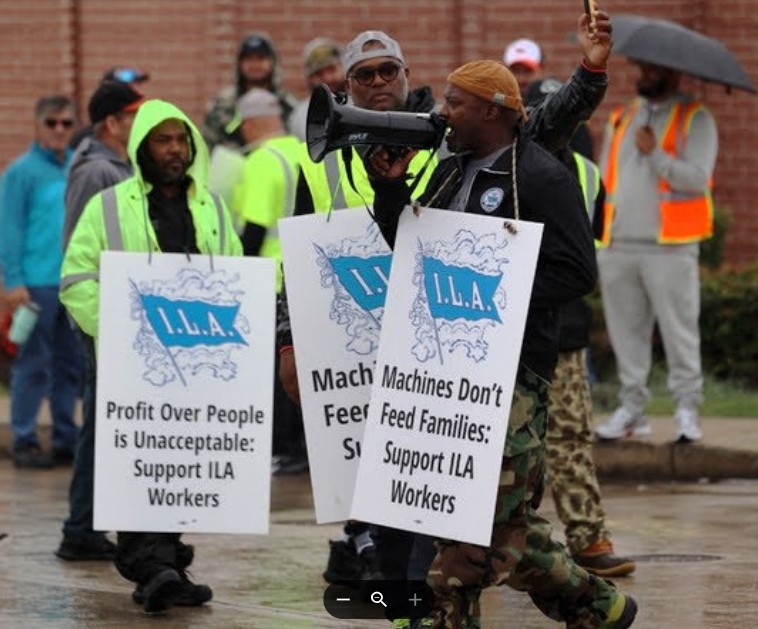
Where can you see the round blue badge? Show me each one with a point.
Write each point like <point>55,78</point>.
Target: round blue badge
<point>492,199</point>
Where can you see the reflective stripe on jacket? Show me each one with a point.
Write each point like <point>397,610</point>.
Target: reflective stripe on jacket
<point>266,191</point>
<point>117,219</point>
<point>588,173</point>
<point>685,217</point>
<point>331,189</point>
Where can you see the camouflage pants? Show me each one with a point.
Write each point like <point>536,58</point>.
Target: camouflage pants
<point>568,454</point>
<point>522,554</point>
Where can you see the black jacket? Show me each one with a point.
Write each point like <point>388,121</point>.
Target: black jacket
<point>547,194</point>
<point>551,124</point>
<point>576,316</point>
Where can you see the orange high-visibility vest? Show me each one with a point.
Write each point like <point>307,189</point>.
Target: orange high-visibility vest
<point>685,217</point>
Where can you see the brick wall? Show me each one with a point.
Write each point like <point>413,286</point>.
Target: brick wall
<point>189,48</point>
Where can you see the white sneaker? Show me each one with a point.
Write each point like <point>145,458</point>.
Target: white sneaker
<point>623,423</point>
<point>687,428</point>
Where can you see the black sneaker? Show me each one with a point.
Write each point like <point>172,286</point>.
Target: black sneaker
<point>344,563</point>
<point>92,548</point>
<point>160,592</point>
<point>290,466</point>
<point>370,565</point>
<point>189,595</point>
<point>192,594</point>
<point>32,457</point>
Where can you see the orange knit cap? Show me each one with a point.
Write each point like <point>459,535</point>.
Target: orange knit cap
<point>489,80</point>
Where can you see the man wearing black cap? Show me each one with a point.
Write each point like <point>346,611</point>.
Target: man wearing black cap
<point>257,66</point>
<point>130,76</point>
<point>100,162</point>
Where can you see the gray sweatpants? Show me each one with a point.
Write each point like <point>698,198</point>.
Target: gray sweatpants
<point>642,286</point>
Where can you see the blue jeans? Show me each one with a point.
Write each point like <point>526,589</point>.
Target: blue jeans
<point>82,488</point>
<point>47,365</point>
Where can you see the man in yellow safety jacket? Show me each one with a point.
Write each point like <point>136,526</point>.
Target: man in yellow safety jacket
<point>265,191</point>
<point>165,206</point>
<point>570,439</point>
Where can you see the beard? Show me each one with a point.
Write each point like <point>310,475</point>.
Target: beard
<point>452,141</point>
<point>652,89</point>
<point>164,174</point>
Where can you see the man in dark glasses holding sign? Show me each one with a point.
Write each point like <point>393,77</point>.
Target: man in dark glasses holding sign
<point>31,251</point>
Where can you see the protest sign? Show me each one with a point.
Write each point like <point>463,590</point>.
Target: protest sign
<point>451,338</point>
<point>184,393</point>
<point>336,271</point>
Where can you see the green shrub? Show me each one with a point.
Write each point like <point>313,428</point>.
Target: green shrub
<point>728,317</point>
<point>728,327</point>
<point>712,250</point>
<point>603,360</point>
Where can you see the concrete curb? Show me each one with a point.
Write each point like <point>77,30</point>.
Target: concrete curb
<point>635,460</point>
<point>618,460</point>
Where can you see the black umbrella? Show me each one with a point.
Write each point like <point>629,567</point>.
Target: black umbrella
<point>674,46</point>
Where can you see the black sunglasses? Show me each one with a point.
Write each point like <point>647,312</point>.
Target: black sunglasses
<point>66,123</point>
<point>387,71</point>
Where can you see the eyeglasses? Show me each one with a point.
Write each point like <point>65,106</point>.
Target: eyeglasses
<point>387,71</point>
<point>66,123</point>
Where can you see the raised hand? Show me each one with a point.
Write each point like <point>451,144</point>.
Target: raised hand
<point>595,43</point>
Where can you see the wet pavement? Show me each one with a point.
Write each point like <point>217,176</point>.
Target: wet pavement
<point>695,544</point>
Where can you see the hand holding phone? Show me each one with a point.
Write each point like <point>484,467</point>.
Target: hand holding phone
<point>589,9</point>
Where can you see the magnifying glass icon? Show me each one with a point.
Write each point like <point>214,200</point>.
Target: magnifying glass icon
<point>378,597</point>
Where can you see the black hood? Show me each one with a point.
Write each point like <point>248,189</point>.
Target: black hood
<point>420,100</point>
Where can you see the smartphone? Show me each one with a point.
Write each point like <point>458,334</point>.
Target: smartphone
<point>589,9</point>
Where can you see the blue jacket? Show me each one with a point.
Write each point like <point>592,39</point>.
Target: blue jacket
<point>31,218</point>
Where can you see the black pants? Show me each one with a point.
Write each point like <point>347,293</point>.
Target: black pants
<point>140,556</point>
<point>78,526</point>
<point>403,556</point>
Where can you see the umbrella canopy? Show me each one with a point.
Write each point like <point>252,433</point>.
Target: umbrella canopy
<point>674,46</point>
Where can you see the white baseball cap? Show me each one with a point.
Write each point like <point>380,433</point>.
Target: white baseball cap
<point>258,103</point>
<point>525,52</point>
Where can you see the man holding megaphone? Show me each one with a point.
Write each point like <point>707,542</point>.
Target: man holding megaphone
<point>378,80</point>
<point>494,147</point>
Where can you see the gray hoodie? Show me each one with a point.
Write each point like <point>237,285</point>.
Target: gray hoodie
<point>94,167</point>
